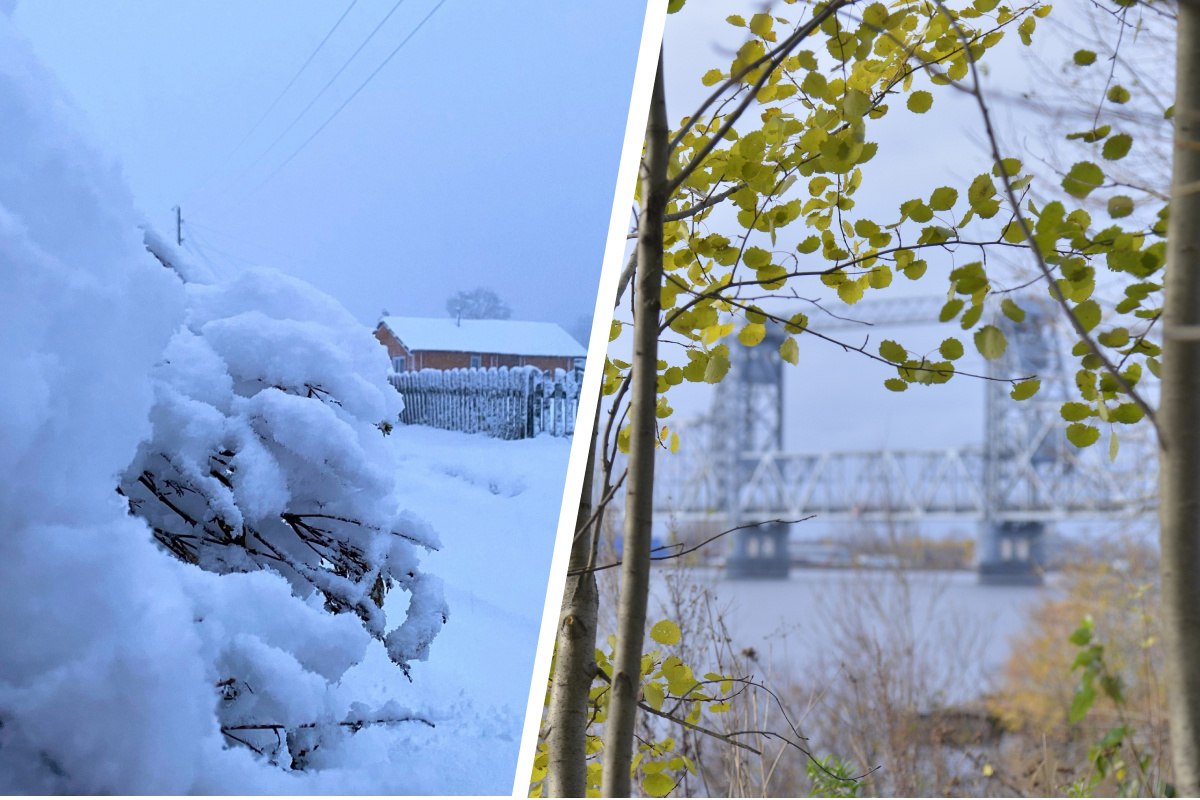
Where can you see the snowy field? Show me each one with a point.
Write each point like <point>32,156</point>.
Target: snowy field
<point>495,505</point>
<point>243,423</point>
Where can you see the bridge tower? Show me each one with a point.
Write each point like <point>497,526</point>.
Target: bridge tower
<point>747,417</point>
<point>1026,453</point>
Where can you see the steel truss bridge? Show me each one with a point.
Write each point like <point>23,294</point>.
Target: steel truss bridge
<point>1023,477</point>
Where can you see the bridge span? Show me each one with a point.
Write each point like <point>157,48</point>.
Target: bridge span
<point>1024,476</point>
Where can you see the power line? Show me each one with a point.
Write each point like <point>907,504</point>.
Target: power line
<point>193,245</point>
<point>315,133</point>
<point>290,83</point>
<point>300,71</point>
<point>280,255</point>
<point>320,94</point>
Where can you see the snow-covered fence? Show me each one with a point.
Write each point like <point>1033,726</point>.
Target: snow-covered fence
<point>515,403</point>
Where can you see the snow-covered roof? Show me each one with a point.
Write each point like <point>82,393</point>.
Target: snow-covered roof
<point>503,336</point>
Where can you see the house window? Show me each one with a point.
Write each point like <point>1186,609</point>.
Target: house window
<point>476,362</point>
<point>398,363</point>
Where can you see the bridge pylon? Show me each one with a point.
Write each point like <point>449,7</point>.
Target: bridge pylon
<point>1025,452</point>
<point>748,412</point>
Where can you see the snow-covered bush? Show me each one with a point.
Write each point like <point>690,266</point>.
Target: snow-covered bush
<point>267,453</point>
<point>123,669</point>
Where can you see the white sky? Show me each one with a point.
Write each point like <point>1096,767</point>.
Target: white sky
<point>484,153</point>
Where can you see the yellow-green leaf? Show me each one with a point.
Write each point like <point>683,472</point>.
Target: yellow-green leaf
<point>752,334</point>
<point>1025,389</point>
<point>950,310</point>
<point>658,785</point>
<point>1116,147</point>
<point>1126,413</point>
<point>990,342</point>
<point>850,292</point>
<point>761,24</point>
<point>920,102</point>
<point>880,276</point>
<point>893,352</point>
<point>943,199</point>
<point>716,368</point>
<point>1025,30</point>
<point>1073,412</point>
<point>915,270</point>
<point>1082,179</point>
<point>1088,314</point>
<point>856,103</point>
<point>790,351</point>
<point>665,632</point>
<point>1012,310</point>
<point>1120,206</point>
<point>951,349</point>
<point>1082,435</point>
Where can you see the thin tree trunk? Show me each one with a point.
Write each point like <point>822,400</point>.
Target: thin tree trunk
<point>639,492</point>
<point>575,654</point>
<point>1179,416</point>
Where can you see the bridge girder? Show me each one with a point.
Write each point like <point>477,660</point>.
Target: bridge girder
<point>1026,470</point>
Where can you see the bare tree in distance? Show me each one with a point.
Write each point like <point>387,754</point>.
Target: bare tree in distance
<point>478,303</point>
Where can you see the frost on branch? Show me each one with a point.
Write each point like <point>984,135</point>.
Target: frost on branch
<point>268,453</point>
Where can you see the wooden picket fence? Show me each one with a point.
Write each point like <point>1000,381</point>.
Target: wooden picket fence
<point>508,403</point>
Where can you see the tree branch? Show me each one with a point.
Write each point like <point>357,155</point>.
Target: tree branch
<point>1027,232</point>
<point>694,548</point>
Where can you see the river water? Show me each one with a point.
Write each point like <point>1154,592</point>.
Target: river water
<point>958,631</point>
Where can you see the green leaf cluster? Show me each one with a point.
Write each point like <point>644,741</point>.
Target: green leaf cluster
<point>667,684</point>
<point>791,170</point>
<point>1107,755</point>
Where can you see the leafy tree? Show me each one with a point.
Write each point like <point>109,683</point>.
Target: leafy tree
<point>478,303</point>
<point>697,286</point>
<point>802,160</point>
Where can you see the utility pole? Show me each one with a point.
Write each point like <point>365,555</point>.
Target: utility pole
<point>179,226</point>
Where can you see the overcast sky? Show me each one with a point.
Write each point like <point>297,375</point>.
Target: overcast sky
<point>484,153</point>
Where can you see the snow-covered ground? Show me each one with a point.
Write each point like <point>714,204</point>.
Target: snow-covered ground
<point>120,664</point>
<point>495,505</point>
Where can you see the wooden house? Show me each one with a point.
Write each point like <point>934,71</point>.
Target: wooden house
<point>416,343</point>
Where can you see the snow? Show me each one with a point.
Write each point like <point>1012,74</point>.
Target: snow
<point>121,662</point>
<point>502,336</point>
<point>496,505</point>
<point>88,701</point>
